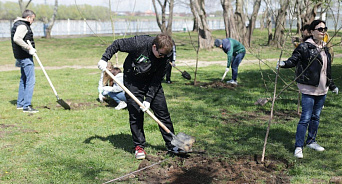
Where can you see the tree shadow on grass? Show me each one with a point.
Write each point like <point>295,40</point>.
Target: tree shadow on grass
<point>122,141</point>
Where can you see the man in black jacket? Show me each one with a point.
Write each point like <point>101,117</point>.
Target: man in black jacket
<point>20,33</point>
<point>144,68</point>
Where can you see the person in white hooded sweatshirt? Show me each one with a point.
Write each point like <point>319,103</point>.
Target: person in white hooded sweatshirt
<point>113,90</point>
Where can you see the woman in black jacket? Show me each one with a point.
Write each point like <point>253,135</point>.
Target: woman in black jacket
<point>313,76</point>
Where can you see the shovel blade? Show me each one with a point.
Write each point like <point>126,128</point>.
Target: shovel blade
<point>183,141</point>
<point>63,104</point>
<point>186,75</point>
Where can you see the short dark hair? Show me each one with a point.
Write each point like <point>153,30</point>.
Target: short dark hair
<point>28,13</point>
<point>164,41</point>
<point>315,23</point>
<point>306,27</point>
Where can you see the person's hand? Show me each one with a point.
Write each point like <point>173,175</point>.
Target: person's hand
<point>147,106</point>
<point>227,70</point>
<point>32,51</point>
<point>281,64</point>
<point>102,65</point>
<point>101,97</point>
<point>335,90</point>
<point>107,88</point>
<point>173,63</point>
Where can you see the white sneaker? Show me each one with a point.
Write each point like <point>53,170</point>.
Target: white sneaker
<point>233,82</point>
<point>121,105</point>
<point>315,146</point>
<point>298,152</point>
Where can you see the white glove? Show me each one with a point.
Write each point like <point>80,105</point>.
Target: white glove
<point>281,64</point>
<point>147,106</point>
<point>108,89</point>
<point>335,90</point>
<point>101,97</point>
<point>227,69</point>
<point>32,51</point>
<point>173,63</point>
<point>102,65</point>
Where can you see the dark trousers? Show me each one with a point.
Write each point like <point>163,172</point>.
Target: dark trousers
<point>136,116</point>
<point>168,72</point>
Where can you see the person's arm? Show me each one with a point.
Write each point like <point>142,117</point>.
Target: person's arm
<point>230,54</point>
<point>295,58</point>
<point>19,35</point>
<point>123,45</point>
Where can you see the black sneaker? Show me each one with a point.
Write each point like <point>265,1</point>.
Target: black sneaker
<point>29,109</point>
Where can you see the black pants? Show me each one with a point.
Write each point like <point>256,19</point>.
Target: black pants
<point>168,72</point>
<point>136,116</point>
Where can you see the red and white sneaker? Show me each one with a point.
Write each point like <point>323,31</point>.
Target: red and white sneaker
<point>139,153</point>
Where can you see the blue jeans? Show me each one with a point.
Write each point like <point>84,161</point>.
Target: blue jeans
<point>236,60</point>
<point>27,81</point>
<point>117,97</point>
<point>311,110</point>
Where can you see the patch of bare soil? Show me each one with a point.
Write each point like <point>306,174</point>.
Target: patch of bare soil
<point>214,84</point>
<point>199,169</point>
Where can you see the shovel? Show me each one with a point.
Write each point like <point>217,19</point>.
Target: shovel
<point>59,101</point>
<point>182,140</point>
<point>185,74</point>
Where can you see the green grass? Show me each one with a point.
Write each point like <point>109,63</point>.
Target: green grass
<point>92,143</point>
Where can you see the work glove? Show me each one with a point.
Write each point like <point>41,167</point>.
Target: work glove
<point>147,106</point>
<point>101,97</point>
<point>281,64</point>
<point>173,63</point>
<point>107,89</point>
<point>335,90</point>
<point>102,65</point>
<point>227,70</point>
<point>32,51</point>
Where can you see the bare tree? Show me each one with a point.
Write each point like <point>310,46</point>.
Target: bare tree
<point>278,38</point>
<point>164,25</point>
<point>48,24</point>
<point>22,6</point>
<point>235,23</point>
<point>204,33</point>
<point>228,17</point>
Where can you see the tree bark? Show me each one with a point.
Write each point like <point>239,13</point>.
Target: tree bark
<point>164,26</point>
<point>51,22</point>
<point>22,6</point>
<point>228,17</point>
<point>278,39</point>
<point>252,20</point>
<point>204,33</point>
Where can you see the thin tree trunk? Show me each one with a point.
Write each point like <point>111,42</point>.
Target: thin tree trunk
<point>52,22</point>
<point>165,28</point>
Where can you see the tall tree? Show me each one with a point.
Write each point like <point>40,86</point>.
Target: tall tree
<point>279,31</point>
<point>228,17</point>
<point>164,25</point>
<point>235,26</point>
<point>204,34</point>
<point>48,24</point>
<point>23,6</point>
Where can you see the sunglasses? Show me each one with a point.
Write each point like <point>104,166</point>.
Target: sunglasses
<point>162,54</point>
<point>321,29</point>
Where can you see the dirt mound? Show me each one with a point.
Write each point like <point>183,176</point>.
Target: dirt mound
<point>199,168</point>
<point>214,84</point>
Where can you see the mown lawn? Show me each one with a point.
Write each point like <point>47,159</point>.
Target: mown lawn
<point>92,142</point>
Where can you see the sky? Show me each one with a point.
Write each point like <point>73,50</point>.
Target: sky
<point>117,5</point>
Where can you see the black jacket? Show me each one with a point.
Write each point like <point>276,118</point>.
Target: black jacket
<point>20,53</point>
<point>138,47</point>
<point>308,62</point>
